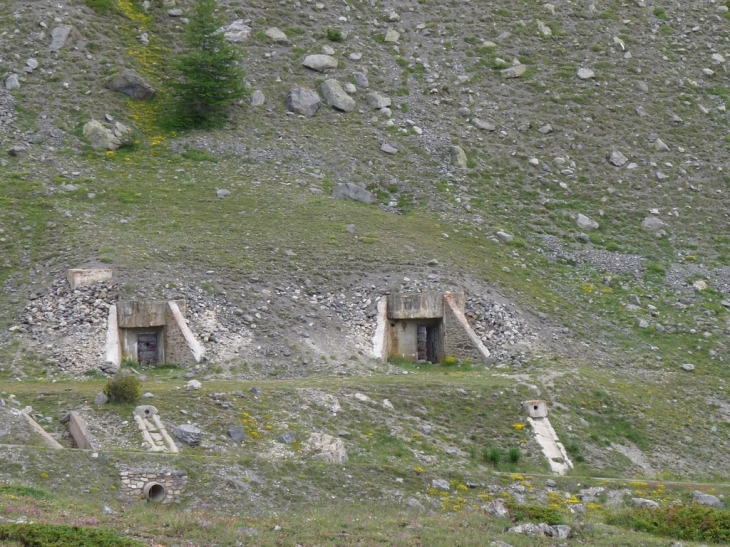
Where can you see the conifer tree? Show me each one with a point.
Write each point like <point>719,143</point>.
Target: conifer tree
<point>210,78</point>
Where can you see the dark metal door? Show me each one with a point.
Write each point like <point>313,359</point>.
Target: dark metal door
<point>147,348</point>
<point>422,342</point>
<point>432,346</point>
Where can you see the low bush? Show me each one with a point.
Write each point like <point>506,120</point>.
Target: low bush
<point>335,35</point>
<point>686,522</point>
<point>123,388</point>
<point>492,455</point>
<point>535,513</point>
<point>48,535</point>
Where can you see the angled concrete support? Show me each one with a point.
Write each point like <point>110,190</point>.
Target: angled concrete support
<point>195,347</point>
<point>113,346</point>
<point>50,441</point>
<point>77,428</point>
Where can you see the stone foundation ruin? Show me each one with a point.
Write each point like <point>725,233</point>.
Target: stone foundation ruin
<point>164,486</point>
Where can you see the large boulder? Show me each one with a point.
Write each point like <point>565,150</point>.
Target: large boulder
<point>188,434</point>
<point>320,62</point>
<point>132,84</point>
<point>377,101</point>
<point>327,448</point>
<point>586,223</point>
<point>458,157</point>
<point>12,82</point>
<point>516,71</point>
<point>277,35</point>
<point>652,224</point>
<point>336,96</point>
<point>348,190</point>
<point>103,137</point>
<point>303,100</point>
<point>707,499</point>
<point>238,31</point>
<point>60,36</point>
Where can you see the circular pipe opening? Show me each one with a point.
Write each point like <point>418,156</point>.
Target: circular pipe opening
<point>154,491</point>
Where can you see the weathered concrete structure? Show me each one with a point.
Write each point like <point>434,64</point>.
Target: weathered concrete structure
<point>426,327</point>
<point>151,333</point>
<point>156,437</point>
<point>79,432</point>
<point>546,437</point>
<point>163,486</point>
<point>79,277</point>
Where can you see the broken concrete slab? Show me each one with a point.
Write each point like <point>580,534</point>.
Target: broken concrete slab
<point>79,431</point>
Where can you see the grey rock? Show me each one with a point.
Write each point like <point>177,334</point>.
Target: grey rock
<point>3,432</point>
<point>60,36</point>
<point>349,190</point>
<point>496,508</point>
<point>31,63</point>
<point>660,145</point>
<point>148,395</point>
<point>643,503</point>
<point>303,100</point>
<point>707,499</point>
<point>11,82</point>
<point>392,36</point>
<point>177,12</point>
<point>277,35</point>
<point>377,101</point>
<point>689,367</point>
<point>355,56</point>
<point>545,129</point>
<point>432,262</point>
<point>188,434</point>
<point>415,505</point>
<point>528,529</point>
<point>458,156</point>
<point>585,223</point>
<point>361,80</point>
<point>236,433</point>
<point>319,62</point>
<point>585,74</point>
<point>258,98</point>
<point>337,97</point>
<point>551,483</point>
<point>100,136</point>
<point>504,236</point>
<point>560,531</point>
<point>440,484</point>
<point>287,438</point>
<point>516,71</point>
<point>643,324</point>
<point>634,299</point>
<point>19,149</point>
<point>256,390</point>
<point>132,84</point>
<point>484,126</point>
<point>350,88</point>
<point>351,228</point>
<point>617,158</point>
<point>238,31</point>
<point>652,224</point>
<point>388,149</point>
<point>426,428</point>
<point>193,384</point>
<point>101,399</point>
<point>220,194</point>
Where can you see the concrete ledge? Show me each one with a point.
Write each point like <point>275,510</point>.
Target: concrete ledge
<point>77,428</point>
<point>113,347</point>
<point>50,441</point>
<point>78,277</point>
<point>379,350</point>
<point>195,347</point>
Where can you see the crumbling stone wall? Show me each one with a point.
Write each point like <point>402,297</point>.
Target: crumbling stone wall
<point>135,480</point>
<point>457,342</point>
<point>176,347</point>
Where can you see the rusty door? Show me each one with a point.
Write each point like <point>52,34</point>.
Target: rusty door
<point>422,342</point>
<point>147,348</point>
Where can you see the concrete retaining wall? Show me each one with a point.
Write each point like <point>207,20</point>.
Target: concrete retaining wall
<point>78,277</point>
<point>134,482</point>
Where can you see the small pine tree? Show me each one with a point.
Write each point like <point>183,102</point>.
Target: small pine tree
<point>210,78</point>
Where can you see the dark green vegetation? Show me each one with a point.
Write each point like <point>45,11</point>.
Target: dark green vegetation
<point>210,74</point>
<point>685,522</point>
<point>49,535</point>
<point>124,387</point>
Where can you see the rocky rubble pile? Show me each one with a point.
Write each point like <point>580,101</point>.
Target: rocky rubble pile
<point>70,325</point>
<point>503,330</point>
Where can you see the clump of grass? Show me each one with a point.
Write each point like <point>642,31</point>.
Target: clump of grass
<point>199,155</point>
<point>123,388</point>
<point>35,535</point>
<point>686,522</point>
<point>514,455</point>
<point>492,455</point>
<point>335,35</point>
<point>535,513</point>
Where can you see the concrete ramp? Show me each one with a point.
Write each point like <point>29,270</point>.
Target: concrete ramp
<point>551,446</point>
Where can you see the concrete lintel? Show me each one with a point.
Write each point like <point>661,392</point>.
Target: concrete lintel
<point>78,277</point>
<point>50,441</point>
<point>457,311</point>
<point>429,305</point>
<point>78,430</point>
<point>113,347</point>
<point>379,336</point>
<point>195,347</point>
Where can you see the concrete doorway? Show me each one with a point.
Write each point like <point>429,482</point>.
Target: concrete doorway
<point>427,338</point>
<point>147,353</point>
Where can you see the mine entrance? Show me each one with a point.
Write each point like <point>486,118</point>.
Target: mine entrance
<point>147,348</point>
<point>427,343</point>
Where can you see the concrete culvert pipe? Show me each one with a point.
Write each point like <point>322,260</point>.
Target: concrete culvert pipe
<point>154,491</point>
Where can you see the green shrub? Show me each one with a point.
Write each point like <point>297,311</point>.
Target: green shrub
<point>123,388</point>
<point>535,513</point>
<point>335,35</point>
<point>686,522</point>
<point>514,455</point>
<point>101,6</point>
<point>49,535</point>
<point>492,455</point>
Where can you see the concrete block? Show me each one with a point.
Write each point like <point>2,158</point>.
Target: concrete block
<point>416,306</point>
<point>535,409</point>
<point>77,428</point>
<point>78,277</point>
